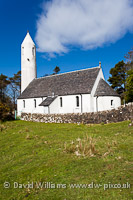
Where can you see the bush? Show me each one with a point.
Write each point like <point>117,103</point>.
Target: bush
<point>4,110</point>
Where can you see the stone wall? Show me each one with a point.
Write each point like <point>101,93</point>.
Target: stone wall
<point>116,115</point>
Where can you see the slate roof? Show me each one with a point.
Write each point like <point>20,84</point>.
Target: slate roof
<point>77,82</point>
<point>103,89</point>
<point>47,101</point>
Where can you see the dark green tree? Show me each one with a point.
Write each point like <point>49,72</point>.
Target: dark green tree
<point>4,82</point>
<point>129,80</point>
<point>118,77</point>
<point>122,77</point>
<point>56,70</point>
<point>5,100</point>
<point>129,86</point>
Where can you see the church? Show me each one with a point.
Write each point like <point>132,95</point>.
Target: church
<point>72,92</point>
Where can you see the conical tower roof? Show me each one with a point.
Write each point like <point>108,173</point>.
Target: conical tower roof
<point>27,40</point>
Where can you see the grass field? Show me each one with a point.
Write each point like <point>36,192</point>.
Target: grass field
<point>96,156</point>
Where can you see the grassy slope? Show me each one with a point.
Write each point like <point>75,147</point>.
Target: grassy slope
<point>35,152</point>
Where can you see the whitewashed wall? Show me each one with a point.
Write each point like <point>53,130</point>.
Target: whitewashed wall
<point>69,104</point>
<point>104,103</point>
<point>86,103</point>
<point>29,106</point>
<point>54,106</point>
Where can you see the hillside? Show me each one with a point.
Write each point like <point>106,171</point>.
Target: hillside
<point>61,156</point>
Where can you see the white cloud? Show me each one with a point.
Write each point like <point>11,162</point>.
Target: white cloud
<point>88,24</point>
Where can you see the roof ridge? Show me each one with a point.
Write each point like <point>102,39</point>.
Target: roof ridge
<point>67,72</point>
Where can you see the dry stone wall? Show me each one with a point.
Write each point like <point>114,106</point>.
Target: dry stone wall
<point>123,113</point>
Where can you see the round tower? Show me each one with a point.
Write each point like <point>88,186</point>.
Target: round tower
<point>28,62</point>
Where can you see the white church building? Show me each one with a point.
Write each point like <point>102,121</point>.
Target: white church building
<point>72,92</point>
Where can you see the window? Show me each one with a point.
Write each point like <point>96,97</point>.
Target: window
<point>22,50</point>
<point>23,103</point>
<point>111,102</point>
<point>35,103</point>
<point>60,101</point>
<point>77,101</point>
<point>33,51</point>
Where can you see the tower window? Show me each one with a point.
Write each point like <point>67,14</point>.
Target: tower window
<point>33,51</point>
<point>22,50</point>
<point>111,102</point>
<point>77,101</point>
<point>61,102</point>
<point>35,103</point>
<point>23,103</point>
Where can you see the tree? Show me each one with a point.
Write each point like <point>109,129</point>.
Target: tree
<point>118,77</point>
<point>129,80</point>
<point>129,86</point>
<point>4,82</point>
<point>9,91</point>
<point>4,110</point>
<point>122,77</point>
<point>129,60</point>
<point>45,75</point>
<point>15,87</point>
<point>4,99</point>
<point>56,70</point>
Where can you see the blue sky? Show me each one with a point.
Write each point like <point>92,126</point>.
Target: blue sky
<point>74,48</point>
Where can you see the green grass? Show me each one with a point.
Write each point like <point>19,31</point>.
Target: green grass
<point>38,152</point>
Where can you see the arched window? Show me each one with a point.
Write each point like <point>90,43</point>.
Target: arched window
<point>77,101</point>
<point>23,103</point>
<point>35,103</point>
<point>61,102</point>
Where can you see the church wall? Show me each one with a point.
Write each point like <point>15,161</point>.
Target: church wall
<point>68,105</point>
<point>86,103</point>
<point>104,103</point>
<point>44,109</point>
<point>30,106</point>
<point>54,107</point>
<point>95,104</point>
<point>20,107</point>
